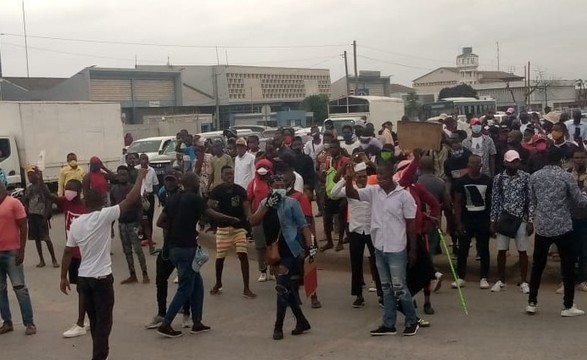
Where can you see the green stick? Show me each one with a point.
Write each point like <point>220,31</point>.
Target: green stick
<point>452,269</point>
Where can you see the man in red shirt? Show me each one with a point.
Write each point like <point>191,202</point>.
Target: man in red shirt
<point>13,233</point>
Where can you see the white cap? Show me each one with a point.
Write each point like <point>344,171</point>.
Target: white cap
<point>360,167</point>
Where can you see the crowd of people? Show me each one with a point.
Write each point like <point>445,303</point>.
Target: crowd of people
<point>507,180</point>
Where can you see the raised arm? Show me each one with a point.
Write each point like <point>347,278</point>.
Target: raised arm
<point>135,193</point>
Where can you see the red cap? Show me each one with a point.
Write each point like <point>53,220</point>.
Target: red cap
<point>475,121</point>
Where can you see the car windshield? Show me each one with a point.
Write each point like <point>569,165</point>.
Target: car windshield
<point>170,148</point>
<point>147,146</point>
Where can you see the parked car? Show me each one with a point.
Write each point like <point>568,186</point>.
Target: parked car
<point>163,160</point>
<point>253,128</point>
<point>151,146</point>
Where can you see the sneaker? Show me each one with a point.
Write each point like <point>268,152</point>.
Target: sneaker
<point>186,322</point>
<point>458,284</point>
<point>483,284</point>
<point>582,286</point>
<point>372,287</point>
<point>411,330</point>
<point>359,303</point>
<point>382,331</point>
<point>531,308</point>
<point>32,329</point>
<point>176,280</point>
<point>524,288</point>
<point>6,328</point>
<point>270,277</point>
<point>428,309</point>
<point>560,290</point>
<point>423,323</point>
<point>277,334</point>
<point>301,327</point>
<point>498,286</point>
<point>155,323</point>
<point>571,312</point>
<point>262,277</point>
<point>167,331</point>
<point>436,284</point>
<point>199,328</point>
<point>75,331</point>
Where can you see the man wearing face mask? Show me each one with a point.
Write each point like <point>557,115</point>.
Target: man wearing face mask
<point>314,146</point>
<point>98,178</point>
<point>514,142</point>
<point>576,128</point>
<point>350,142</point>
<point>71,171</point>
<point>558,131</point>
<point>511,198</point>
<point>483,146</point>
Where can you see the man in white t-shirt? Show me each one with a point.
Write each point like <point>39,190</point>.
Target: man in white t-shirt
<point>244,164</point>
<point>91,233</point>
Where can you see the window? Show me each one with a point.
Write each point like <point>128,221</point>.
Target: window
<point>4,149</point>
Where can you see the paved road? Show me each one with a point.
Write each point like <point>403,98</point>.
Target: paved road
<point>496,328</point>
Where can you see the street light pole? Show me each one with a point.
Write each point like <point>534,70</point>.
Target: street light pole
<point>26,46</point>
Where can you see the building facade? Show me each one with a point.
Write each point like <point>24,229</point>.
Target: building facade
<point>368,83</point>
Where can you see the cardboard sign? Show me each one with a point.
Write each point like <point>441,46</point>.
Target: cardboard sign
<point>419,135</point>
<point>310,276</point>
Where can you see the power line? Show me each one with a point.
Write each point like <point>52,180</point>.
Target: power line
<point>112,42</point>
<point>406,55</point>
<point>394,63</point>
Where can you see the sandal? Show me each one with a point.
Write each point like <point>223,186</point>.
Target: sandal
<point>216,291</point>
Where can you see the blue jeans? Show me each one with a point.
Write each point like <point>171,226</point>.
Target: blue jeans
<point>392,271</point>
<point>190,287</point>
<point>15,272</point>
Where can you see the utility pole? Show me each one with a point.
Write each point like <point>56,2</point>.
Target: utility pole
<point>346,74</point>
<point>355,63</point>
<point>26,46</point>
<point>525,84</point>
<point>529,85</point>
<point>497,55</point>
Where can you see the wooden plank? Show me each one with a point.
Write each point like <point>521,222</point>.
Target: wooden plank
<point>419,135</point>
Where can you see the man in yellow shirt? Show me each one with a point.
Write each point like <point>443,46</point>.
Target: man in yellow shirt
<point>71,171</point>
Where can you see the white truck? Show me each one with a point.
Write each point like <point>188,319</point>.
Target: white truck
<point>28,129</point>
<point>375,109</point>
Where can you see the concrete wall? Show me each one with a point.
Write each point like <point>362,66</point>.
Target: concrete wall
<point>155,125</point>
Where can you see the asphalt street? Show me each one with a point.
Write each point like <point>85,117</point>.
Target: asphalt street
<point>496,328</point>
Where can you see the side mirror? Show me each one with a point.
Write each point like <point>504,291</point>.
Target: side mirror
<point>160,152</point>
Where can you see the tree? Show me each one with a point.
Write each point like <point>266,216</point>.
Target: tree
<point>318,104</point>
<point>413,107</point>
<point>462,90</point>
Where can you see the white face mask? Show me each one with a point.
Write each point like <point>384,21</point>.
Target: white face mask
<point>70,194</point>
<point>282,192</point>
<point>364,146</point>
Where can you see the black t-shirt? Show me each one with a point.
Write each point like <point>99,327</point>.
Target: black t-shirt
<point>183,211</point>
<point>119,193</point>
<point>476,195</point>
<point>231,201</point>
<point>272,227</point>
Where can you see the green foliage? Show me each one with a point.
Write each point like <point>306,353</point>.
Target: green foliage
<point>462,90</point>
<point>318,104</point>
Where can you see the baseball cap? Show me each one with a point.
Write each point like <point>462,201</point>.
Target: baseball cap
<point>241,141</point>
<point>172,173</point>
<point>510,111</point>
<point>360,167</point>
<point>511,156</point>
<point>475,121</point>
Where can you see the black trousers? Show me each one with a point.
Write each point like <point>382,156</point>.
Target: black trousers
<point>478,228</point>
<point>99,302</point>
<point>164,269</point>
<point>565,246</point>
<point>357,244</point>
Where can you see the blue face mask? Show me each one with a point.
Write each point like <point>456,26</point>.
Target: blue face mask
<point>347,136</point>
<point>282,192</point>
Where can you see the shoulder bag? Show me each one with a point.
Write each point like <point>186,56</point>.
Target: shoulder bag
<point>507,224</point>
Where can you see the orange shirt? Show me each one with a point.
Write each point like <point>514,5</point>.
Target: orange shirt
<point>11,210</point>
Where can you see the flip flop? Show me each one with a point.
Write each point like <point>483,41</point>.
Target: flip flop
<point>215,291</point>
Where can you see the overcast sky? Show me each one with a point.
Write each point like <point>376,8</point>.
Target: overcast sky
<point>402,38</point>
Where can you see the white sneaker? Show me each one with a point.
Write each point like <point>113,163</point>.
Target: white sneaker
<point>186,323</point>
<point>176,280</point>
<point>560,290</point>
<point>75,331</point>
<point>525,288</point>
<point>483,284</point>
<point>372,287</point>
<point>582,286</point>
<point>436,284</point>
<point>572,311</point>
<point>531,309</point>
<point>458,284</point>
<point>262,277</point>
<point>498,286</point>
<point>270,277</point>
<point>155,323</point>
